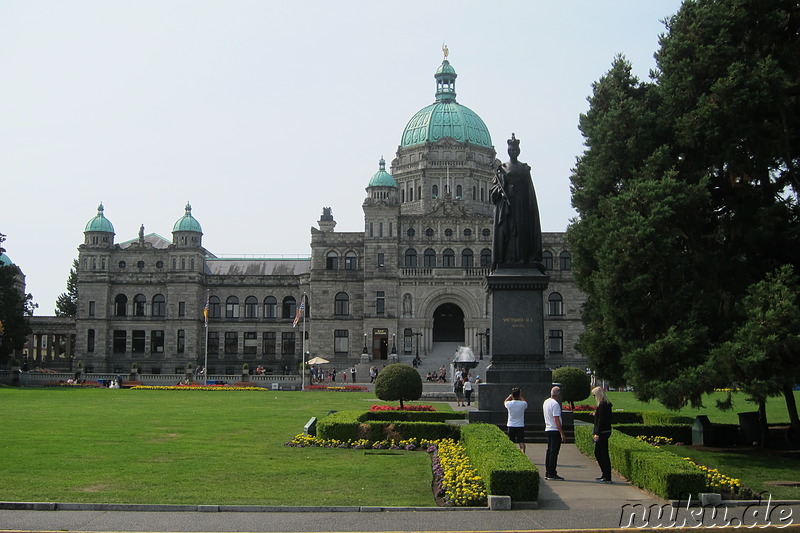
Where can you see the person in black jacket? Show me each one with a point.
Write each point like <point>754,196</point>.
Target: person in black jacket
<point>601,433</point>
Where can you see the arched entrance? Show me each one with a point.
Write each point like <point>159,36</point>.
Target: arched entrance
<point>448,323</point>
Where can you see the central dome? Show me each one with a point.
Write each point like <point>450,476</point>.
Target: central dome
<point>446,117</point>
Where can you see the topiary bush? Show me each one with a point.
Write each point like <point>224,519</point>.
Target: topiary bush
<point>398,382</point>
<point>576,385</point>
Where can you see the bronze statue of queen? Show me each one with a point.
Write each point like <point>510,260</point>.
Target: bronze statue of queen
<point>517,240</point>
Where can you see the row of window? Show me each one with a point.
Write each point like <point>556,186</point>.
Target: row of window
<point>269,342</point>
<point>445,189</point>
<point>90,263</point>
<point>341,305</point>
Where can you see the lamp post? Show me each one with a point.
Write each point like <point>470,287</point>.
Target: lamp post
<point>365,344</point>
<point>480,336</point>
<point>394,345</point>
<point>418,334</point>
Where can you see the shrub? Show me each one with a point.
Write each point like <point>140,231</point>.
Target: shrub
<point>576,385</point>
<point>352,425</point>
<point>398,382</point>
<point>505,470</point>
<point>650,468</point>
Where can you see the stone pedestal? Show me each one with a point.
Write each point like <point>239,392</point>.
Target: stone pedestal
<point>518,355</point>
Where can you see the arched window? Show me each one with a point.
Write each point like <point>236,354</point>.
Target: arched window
<point>555,304</point>
<point>251,307</point>
<point>486,258</point>
<point>410,258</point>
<point>270,307</point>
<point>467,258</point>
<point>214,310</point>
<point>121,305</point>
<point>289,307</point>
<point>565,261</point>
<point>411,232</point>
<point>459,191</point>
<point>332,261</point>
<point>448,258</point>
<point>350,261</point>
<point>232,307</point>
<point>435,191</point>
<point>139,302</point>
<point>341,304</point>
<point>159,305</point>
<point>547,259</point>
<point>429,258</point>
<point>474,193</point>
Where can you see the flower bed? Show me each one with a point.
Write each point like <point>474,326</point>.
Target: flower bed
<point>198,388</point>
<point>344,388</point>
<point>407,407</point>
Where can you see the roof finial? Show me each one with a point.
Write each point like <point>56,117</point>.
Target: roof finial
<point>445,50</point>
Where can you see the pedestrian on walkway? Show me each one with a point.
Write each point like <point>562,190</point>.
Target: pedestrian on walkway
<point>554,432</point>
<point>516,405</point>
<point>458,388</point>
<point>601,433</point>
<point>468,390</point>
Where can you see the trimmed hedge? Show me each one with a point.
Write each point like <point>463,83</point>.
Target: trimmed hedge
<point>677,432</point>
<point>354,425</point>
<point>652,418</point>
<point>505,470</point>
<point>416,416</point>
<point>650,468</point>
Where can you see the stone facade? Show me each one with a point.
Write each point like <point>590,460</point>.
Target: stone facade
<point>414,277</point>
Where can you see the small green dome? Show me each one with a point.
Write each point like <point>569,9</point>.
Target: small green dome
<point>100,222</point>
<point>187,222</point>
<point>382,178</point>
<point>446,117</point>
<point>5,260</point>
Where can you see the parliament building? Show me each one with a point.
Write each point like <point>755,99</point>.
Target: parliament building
<point>412,280</point>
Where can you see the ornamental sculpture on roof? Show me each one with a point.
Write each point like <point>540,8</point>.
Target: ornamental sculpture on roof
<point>445,50</point>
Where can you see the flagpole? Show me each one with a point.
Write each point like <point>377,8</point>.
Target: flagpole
<point>205,363</point>
<point>303,367</point>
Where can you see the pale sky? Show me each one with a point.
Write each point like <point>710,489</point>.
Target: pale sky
<point>261,113</point>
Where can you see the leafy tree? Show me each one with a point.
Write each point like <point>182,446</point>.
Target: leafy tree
<point>576,385</point>
<point>15,307</point>
<point>398,382</point>
<point>687,193</point>
<point>764,353</point>
<point>67,302</point>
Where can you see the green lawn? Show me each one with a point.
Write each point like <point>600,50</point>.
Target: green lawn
<point>192,447</point>
<point>776,407</point>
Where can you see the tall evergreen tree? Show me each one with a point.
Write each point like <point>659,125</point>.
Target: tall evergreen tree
<point>15,307</point>
<point>67,302</point>
<point>687,193</point>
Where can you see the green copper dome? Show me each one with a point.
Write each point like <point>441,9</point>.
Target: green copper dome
<point>5,260</point>
<point>446,117</point>
<point>187,222</point>
<point>382,178</point>
<point>100,222</point>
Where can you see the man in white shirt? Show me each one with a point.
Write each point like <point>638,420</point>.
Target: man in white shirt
<point>554,432</point>
<point>516,405</point>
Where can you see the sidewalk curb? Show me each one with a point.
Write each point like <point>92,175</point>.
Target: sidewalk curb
<point>133,507</point>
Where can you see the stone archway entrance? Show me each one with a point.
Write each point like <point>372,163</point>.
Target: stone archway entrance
<point>448,323</point>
